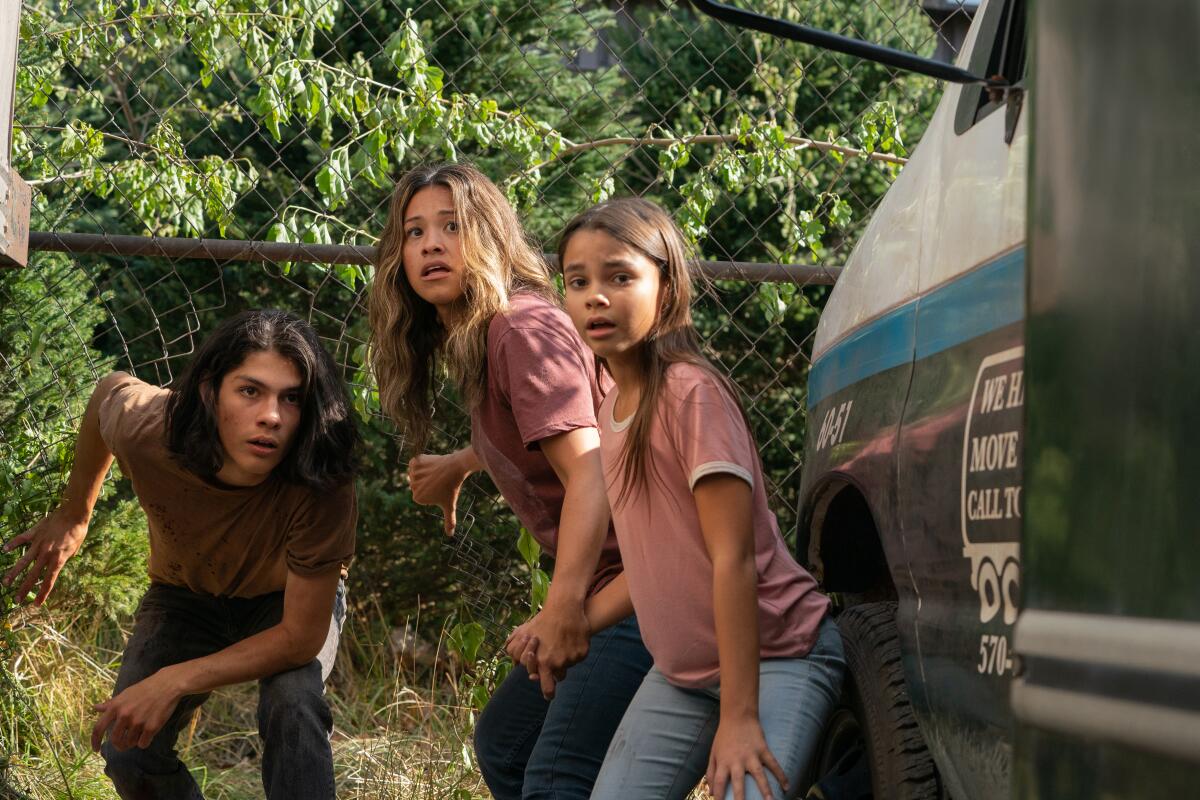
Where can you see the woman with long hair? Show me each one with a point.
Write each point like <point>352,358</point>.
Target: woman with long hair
<point>458,287</point>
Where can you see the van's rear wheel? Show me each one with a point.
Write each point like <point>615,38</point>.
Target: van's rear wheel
<point>871,745</point>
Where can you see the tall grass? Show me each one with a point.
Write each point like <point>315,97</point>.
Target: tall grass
<point>400,730</point>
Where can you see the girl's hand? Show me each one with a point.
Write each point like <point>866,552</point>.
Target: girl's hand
<point>50,543</point>
<point>740,749</point>
<point>436,481</point>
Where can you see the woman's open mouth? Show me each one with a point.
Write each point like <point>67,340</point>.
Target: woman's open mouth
<point>435,271</point>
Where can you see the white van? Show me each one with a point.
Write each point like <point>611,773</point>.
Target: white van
<point>911,488</point>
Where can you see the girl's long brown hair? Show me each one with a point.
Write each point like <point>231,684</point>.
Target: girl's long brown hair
<point>408,339</point>
<point>648,229</point>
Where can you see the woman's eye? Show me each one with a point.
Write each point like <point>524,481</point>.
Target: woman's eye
<point>248,391</point>
<point>294,399</point>
<point>452,226</point>
<point>413,232</point>
<point>621,279</point>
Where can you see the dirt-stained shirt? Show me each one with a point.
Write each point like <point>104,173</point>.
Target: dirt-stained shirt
<point>541,381</point>
<point>212,538</point>
<point>699,431</point>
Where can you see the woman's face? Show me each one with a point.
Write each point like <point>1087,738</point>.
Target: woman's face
<point>612,292</point>
<point>432,249</point>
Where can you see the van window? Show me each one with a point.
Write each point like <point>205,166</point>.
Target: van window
<point>1003,25</point>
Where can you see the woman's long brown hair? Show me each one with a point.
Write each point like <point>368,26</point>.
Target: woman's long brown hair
<point>648,229</point>
<point>408,340</point>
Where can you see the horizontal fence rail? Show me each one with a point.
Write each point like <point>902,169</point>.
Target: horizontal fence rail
<point>281,252</point>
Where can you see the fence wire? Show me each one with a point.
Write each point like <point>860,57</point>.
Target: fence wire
<point>290,120</point>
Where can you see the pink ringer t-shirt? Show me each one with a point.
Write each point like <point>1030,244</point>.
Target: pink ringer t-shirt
<point>541,381</point>
<point>697,432</point>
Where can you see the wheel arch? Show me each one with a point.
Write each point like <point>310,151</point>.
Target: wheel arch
<point>841,538</point>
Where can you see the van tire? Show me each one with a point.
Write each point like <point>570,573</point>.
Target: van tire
<point>875,700</point>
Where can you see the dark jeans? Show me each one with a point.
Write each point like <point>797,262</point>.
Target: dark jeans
<point>174,625</point>
<point>531,749</point>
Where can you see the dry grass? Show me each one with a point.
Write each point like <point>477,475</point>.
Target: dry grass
<point>400,732</point>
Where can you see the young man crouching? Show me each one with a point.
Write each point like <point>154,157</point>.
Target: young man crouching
<point>245,471</point>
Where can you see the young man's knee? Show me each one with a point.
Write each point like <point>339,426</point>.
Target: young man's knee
<point>134,766</point>
<point>294,696</point>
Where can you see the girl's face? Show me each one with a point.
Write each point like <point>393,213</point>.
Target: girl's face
<point>432,250</point>
<point>612,292</point>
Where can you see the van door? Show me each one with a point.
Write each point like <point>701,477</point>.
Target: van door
<point>1108,700</point>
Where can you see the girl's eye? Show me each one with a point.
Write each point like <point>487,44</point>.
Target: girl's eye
<point>576,283</point>
<point>452,226</point>
<point>413,232</point>
<point>621,279</point>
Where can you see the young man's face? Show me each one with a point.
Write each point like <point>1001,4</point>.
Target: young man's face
<point>258,412</point>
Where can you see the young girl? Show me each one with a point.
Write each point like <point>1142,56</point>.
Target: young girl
<point>459,286</point>
<point>747,661</point>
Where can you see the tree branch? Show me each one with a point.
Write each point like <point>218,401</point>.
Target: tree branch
<point>714,138</point>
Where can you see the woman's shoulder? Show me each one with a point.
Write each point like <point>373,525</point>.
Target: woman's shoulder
<point>532,314</point>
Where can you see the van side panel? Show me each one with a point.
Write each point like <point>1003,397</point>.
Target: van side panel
<point>959,490</point>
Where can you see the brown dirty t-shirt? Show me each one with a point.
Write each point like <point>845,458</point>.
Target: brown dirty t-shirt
<point>541,381</point>
<point>213,538</point>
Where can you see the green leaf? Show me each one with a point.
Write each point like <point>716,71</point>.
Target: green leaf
<point>539,588</point>
<point>317,100</point>
<point>530,550</point>
<point>465,639</point>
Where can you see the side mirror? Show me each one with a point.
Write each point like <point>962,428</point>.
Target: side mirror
<point>842,44</point>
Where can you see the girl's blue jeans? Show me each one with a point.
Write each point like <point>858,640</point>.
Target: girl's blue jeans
<point>531,749</point>
<point>661,749</point>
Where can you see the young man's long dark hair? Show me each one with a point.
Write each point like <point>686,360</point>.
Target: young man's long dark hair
<point>322,454</point>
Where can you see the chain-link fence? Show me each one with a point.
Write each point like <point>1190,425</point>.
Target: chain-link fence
<point>289,121</point>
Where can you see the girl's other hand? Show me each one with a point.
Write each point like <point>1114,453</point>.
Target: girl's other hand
<point>738,749</point>
<point>436,481</point>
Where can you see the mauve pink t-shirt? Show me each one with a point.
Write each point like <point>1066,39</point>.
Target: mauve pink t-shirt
<point>699,431</point>
<point>541,381</point>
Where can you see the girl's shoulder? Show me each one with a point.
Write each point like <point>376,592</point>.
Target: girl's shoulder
<point>686,377</point>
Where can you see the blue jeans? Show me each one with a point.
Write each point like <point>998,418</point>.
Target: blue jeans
<point>661,750</point>
<point>174,625</point>
<point>529,748</point>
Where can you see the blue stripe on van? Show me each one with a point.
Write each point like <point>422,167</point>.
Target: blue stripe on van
<point>881,344</point>
<point>980,301</point>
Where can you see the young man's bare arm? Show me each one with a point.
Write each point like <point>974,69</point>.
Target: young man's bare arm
<point>58,536</point>
<point>133,717</point>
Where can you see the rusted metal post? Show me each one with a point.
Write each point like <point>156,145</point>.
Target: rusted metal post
<point>14,192</point>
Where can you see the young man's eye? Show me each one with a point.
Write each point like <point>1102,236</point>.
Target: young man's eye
<point>294,399</point>
<point>248,391</point>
